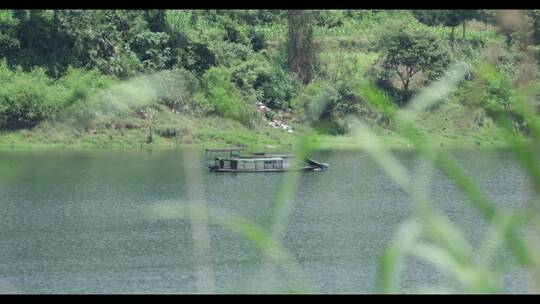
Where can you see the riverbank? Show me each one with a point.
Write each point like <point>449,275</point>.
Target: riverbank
<point>220,132</point>
<point>450,125</point>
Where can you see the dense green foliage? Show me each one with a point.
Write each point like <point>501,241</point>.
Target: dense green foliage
<point>29,97</point>
<point>309,67</point>
<point>221,97</point>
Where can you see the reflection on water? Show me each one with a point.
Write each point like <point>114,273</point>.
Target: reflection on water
<point>77,222</point>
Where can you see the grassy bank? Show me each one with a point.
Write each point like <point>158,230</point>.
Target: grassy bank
<point>452,125</point>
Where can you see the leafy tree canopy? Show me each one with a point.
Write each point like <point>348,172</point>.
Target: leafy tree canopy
<point>413,56</point>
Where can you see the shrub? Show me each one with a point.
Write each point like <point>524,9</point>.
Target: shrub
<point>258,40</point>
<point>27,98</point>
<point>269,83</point>
<point>124,65</point>
<point>329,18</point>
<point>219,96</point>
<point>8,34</point>
<point>230,54</point>
<point>233,33</point>
<point>152,50</point>
<point>327,104</point>
<point>198,58</point>
<point>167,131</point>
<point>82,91</point>
<point>498,91</point>
<point>176,89</point>
<point>79,84</point>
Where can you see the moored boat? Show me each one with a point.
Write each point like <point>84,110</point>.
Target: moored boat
<point>258,162</point>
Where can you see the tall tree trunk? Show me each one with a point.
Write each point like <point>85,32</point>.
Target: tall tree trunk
<point>300,44</point>
<point>156,20</point>
<point>406,86</point>
<point>452,36</point>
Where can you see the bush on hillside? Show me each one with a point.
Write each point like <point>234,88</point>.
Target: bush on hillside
<point>219,96</point>
<point>268,83</point>
<point>327,105</point>
<point>176,88</point>
<point>26,98</point>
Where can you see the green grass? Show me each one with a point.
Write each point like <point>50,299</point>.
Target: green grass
<point>448,128</point>
<point>202,131</point>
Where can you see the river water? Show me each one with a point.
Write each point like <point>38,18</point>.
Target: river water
<point>78,222</point>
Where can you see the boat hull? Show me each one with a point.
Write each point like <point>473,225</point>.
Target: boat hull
<point>306,168</point>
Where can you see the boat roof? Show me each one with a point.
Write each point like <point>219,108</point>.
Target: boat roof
<point>258,159</point>
<point>268,156</point>
<point>224,149</point>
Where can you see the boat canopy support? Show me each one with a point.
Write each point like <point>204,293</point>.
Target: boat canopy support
<point>224,149</point>
<point>230,150</point>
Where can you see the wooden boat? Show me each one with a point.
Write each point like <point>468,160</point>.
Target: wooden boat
<point>257,162</point>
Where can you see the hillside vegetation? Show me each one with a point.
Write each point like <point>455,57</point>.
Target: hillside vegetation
<point>156,78</point>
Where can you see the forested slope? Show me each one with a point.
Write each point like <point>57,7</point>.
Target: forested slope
<point>117,78</point>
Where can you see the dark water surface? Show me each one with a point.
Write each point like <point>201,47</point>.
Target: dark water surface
<point>77,222</point>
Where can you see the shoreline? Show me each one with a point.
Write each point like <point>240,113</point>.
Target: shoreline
<point>322,142</point>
